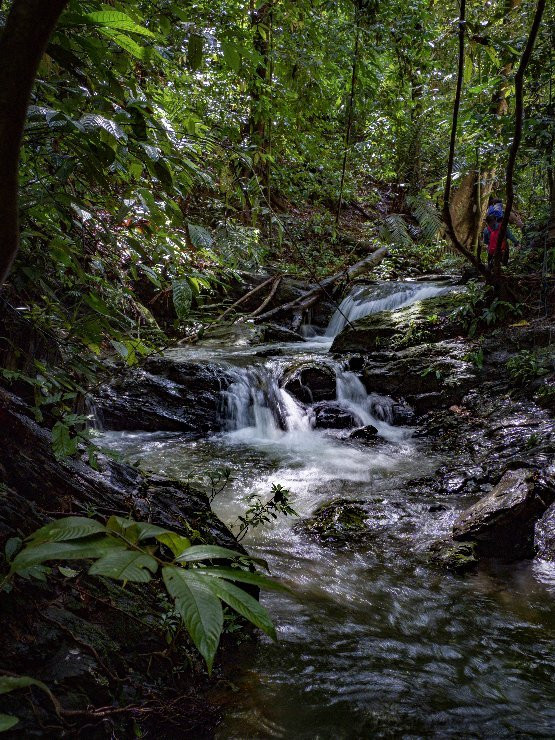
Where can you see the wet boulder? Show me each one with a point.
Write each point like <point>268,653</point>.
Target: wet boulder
<point>544,535</point>
<point>431,319</point>
<point>502,522</point>
<point>226,335</point>
<point>367,433</point>
<point>393,412</point>
<point>456,557</point>
<point>311,382</point>
<point>426,377</point>
<point>165,396</point>
<point>277,333</point>
<point>330,415</point>
<point>339,522</point>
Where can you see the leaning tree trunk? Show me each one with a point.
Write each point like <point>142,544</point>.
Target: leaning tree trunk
<point>22,44</point>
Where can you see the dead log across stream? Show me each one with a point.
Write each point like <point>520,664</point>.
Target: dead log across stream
<point>305,301</point>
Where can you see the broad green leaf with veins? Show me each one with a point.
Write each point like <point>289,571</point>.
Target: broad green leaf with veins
<point>69,528</point>
<point>125,565</point>
<point>199,608</point>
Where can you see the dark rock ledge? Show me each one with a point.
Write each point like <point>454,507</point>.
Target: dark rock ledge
<point>94,643</point>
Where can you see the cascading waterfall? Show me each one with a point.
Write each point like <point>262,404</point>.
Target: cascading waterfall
<point>367,299</point>
<point>255,405</point>
<point>255,401</point>
<point>257,408</point>
<point>370,408</point>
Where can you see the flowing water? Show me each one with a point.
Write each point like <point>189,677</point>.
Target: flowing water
<point>373,642</point>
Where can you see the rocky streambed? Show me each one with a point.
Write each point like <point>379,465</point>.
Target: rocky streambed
<point>421,562</point>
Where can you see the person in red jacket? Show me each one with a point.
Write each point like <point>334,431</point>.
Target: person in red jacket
<point>490,236</point>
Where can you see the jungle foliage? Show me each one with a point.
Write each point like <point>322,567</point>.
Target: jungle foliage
<point>168,146</point>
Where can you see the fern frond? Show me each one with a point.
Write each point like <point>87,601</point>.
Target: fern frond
<point>93,121</point>
<point>200,237</point>
<point>394,231</point>
<point>427,216</point>
<point>182,297</point>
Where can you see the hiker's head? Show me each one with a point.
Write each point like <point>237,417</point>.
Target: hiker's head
<point>496,201</point>
<point>491,220</point>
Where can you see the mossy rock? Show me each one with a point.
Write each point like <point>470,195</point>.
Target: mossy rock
<point>428,320</point>
<point>456,557</point>
<point>426,376</point>
<point>339,522</point>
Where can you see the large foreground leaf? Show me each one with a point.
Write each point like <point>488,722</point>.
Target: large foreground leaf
<point>245,576</point>
<point>95,548</point>
<point>125,565</point>
<point>208,552</point>
<point>11,683</point>
<point>199,608</point>
<point>69,528</point>
<point>7,721</point>
<point>136,530</point>
<point>244,604</point>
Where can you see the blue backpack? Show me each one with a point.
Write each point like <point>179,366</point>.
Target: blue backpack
<point>496,210</point>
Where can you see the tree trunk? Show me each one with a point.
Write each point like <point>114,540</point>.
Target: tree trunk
<point>22,44</point>
<point>519,120</point>
<point>258,128</point>
<point>551,222</point>
<point>467,216</point>
<point>349,119</point>
<point>447,217</point>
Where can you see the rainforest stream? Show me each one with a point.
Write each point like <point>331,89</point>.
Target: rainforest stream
<point>373,640</point>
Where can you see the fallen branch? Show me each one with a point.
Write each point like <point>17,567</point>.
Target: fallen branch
<point>360,209</point>
<point>305,301</point>
<point>269,297</point>
<point>245,297</point>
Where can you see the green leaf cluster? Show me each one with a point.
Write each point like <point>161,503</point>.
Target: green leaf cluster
<point>199,578</point>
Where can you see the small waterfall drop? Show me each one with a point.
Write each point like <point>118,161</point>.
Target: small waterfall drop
<point>254,400</point>
<point>368,407</point>
<point>256,409</point>
<point>367,299</point>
